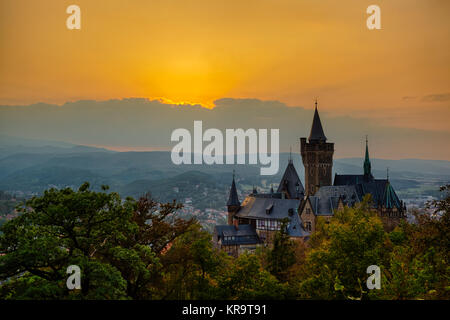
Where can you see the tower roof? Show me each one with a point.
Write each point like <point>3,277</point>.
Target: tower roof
<point>316,129</point>
<point>233,199</point>
<point>290,182</point>
<point>382,191</point>
<point>390,199</point>
<point>367,165</point>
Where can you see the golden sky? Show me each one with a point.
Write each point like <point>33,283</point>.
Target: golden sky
<point>198,51</point>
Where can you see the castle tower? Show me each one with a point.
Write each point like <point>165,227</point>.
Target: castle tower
<point>233,203</point>
<point>317,157</point>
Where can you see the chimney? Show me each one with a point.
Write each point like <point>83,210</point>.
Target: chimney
<point>236,224</point>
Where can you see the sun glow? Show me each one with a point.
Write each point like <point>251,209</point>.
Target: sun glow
<point>208,105</point>
<point>195,53</point>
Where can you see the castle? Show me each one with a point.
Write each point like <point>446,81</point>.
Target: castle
<point>256,220</point>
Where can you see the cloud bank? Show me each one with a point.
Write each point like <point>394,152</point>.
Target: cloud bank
<point>141,123</point>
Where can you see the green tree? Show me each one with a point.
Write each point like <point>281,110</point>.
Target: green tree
<point>340,253</point>
<point>282,255</point>
<point>64,228</point>
<point>419,263</point>
<point>138,255</point>
<point>117,245</point>
<point>192,267</point>
<point>247,279</point>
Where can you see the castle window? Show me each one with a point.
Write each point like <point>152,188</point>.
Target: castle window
<point>308,226</point>
<point>308,210</point>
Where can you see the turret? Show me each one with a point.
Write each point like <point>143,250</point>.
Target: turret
<point>233,204</point>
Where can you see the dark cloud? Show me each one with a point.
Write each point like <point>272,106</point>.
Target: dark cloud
<point>149,123</point>
<point>437,97</point>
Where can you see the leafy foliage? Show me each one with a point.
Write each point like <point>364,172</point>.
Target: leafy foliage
<point>128,249</point>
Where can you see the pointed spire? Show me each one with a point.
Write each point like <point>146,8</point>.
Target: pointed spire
<point>367,165</point>
<point>316,129</point>
<point>289,181</point>
<point>290,154</point>
<point>233,199</point>
<point>389,197</point>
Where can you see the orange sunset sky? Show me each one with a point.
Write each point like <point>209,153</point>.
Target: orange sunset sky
<point>202,50</point>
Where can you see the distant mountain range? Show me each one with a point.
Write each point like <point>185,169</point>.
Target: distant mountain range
<point>14,145</point>
<point>33,166</point>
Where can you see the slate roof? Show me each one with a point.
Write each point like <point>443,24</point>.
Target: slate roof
<point>277,195</point>
<point>244,234</point>
<point>290,181</point>
<point>256,207</point>
<point>375,188</point>
<point>316,129</point>
<point>383,194</point>
<point>381,190</point>
<point>326,200</point>
<point>390,198</point>
<point>295,227</point>
<point>348,179</point>
<point>274,209</point>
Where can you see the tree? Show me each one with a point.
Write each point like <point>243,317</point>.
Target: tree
<point>419,263</point>
<point>64,228</point>
<point>341,251</point>
<point>117,244</point>
<point>138,255</point>
<point>282,256</point>
<point>193,266</point>
<point>247,279</point>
